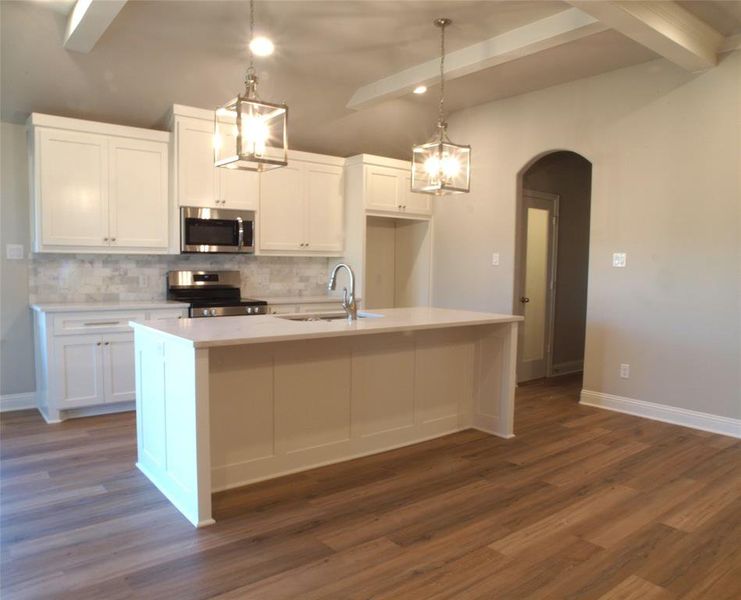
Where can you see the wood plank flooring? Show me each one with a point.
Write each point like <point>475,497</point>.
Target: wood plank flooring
<point>583,503</point>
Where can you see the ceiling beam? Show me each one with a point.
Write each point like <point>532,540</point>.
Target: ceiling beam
<point>662,26</point>
<point>565,26</point>
<point>88,21</point>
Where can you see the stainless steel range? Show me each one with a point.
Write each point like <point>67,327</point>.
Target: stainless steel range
<point>212,294</point>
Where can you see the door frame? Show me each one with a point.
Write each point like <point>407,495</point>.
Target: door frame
<point>520,263</point>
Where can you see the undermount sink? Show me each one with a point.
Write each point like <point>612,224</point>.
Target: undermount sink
<point>337,316</point>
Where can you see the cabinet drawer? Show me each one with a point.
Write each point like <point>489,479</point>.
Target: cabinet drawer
<point>99,322</point>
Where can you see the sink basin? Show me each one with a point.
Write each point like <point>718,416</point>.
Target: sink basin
<point>335,316</point>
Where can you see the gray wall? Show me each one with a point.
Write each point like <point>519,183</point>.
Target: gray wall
<point>16,338</point>
<point>570,176</point>
<point>666,189</point>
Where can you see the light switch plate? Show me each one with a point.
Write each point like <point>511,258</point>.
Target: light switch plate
<point>624,371</point>
<point>618,259</point>
<point>14,251</point>
<point>495,259</point>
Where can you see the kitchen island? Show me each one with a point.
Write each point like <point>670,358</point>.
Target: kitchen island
<point>229,401</point>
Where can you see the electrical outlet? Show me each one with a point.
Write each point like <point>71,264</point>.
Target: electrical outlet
<point>495,259</point>
<point>618,259</point>
<point>625,371</point>
<point>14,251</point>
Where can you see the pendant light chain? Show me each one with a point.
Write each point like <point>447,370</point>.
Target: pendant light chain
<point>250,79</point>
<point>252,34</point>
<point>441,115</point>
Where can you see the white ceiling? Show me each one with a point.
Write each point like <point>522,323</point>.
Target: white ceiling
<point>157,53</point>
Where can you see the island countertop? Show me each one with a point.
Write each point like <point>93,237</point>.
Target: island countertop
<point>234,331</point>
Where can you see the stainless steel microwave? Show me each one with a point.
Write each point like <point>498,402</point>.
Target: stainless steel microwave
<point>216,230</point>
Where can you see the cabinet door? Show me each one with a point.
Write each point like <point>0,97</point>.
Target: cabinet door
<point>324,208</point>
<point>72,179</point>
<point>138,193</point>
<point>415,202</point>
<point>118,367</point>
<point>239,189</point>
<point>383,189</point>
<point>78,371</point>
<point>197,176</point>
<point>282,209</point>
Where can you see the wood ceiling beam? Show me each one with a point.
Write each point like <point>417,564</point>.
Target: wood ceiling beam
<point>563,27</point>
<point>662,26</point>
<point>88,21</point>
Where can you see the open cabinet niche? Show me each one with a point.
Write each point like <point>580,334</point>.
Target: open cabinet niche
<point>397,262</point>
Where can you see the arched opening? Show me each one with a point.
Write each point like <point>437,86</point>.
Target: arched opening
<point>551,265</point>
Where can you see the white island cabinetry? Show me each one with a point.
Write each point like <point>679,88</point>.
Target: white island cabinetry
<point>85,356</point>
<point>225,402</point>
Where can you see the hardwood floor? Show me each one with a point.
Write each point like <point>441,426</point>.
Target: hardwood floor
<point>583,503</point>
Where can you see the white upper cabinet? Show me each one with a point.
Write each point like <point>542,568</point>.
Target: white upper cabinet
<point>98,187</point>
<point>302,207</point>
<point>198,181</point>
<point>137,214</point>
<point>324,208</point>
<point>387,187</point>
<point>71,172</point>
<point>415,202</point>
<point>196,174</point>
<point>238,189</point>
<point>282,209</point>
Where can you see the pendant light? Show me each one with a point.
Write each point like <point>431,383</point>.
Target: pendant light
<point>251,134</point>
<point>439,166</point>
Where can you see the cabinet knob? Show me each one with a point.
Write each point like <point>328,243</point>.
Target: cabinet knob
<point>105,239</point>
<point>98,344</point>
<point>113,239</point>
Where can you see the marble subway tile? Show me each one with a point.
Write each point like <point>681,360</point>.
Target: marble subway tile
<point>116,278</point>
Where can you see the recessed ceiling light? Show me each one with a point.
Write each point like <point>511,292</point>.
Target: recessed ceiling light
<point>261,46</point>
<point>420,89</point>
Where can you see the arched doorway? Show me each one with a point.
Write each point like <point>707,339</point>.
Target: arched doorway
<point>551,267</point>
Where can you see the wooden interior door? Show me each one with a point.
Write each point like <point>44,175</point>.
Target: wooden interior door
<point>537,283</point>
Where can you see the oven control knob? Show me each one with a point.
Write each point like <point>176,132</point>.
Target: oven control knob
<point>205,312</point>
<point>213,312</point>
<point>249,310</point>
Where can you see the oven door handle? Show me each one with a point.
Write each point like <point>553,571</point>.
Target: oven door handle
<point>240,239</point>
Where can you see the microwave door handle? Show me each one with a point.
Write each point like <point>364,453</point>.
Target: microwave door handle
<point>240,239</point>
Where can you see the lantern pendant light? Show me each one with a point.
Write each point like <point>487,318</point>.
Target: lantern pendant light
<point>251,134</point>
<point>439,166</point>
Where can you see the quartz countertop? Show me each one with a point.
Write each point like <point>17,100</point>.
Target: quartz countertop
<point>234,331</point>
<point>303,299</point>
<point>106,306</point>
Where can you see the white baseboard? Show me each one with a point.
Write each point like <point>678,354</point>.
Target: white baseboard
<point>564,368</point>
<point>662,412</point>
<point>10,402</point>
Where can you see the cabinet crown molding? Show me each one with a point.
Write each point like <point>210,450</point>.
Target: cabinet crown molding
<point>380,161</point>
<point>81,125</point>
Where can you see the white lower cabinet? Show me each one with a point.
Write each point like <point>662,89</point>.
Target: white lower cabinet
<point>85,359</point>
<point>119,381</point>
<point>78,371</point>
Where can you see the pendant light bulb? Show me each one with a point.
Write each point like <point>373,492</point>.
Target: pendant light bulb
<point>262,46</point>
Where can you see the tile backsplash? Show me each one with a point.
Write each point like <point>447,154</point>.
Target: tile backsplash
<point>114,278</point>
